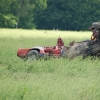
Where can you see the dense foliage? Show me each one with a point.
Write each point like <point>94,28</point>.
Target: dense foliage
<point>69,14</point>
<point>49,14</point>
<point>19,13</point>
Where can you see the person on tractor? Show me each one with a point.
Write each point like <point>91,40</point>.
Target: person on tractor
<point>95,28</point>
<point>60,43</point>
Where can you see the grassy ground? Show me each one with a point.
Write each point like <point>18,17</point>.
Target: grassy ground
<point>54,79</point>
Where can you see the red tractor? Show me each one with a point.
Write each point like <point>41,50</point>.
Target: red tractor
<point>42,51</point>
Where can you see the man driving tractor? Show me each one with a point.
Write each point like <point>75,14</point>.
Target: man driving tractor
<point>95,28</point>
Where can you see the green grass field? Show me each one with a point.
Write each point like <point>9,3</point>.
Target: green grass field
<point>54,79</point>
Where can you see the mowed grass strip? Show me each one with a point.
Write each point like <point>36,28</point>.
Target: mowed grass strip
<point>54,79</point>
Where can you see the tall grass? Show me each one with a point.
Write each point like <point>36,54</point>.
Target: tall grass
<point>54,79</point>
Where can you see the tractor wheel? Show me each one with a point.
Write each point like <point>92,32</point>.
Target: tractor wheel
<point>33,55</point>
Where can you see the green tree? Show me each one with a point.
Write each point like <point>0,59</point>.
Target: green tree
<point>25,12</point>
<point>7,19</point>
<point>19,13</point>
<point>68,14</point>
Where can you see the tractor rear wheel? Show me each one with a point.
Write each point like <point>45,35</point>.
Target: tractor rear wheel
<point>33,55</point>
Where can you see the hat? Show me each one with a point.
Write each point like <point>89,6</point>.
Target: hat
<point>95,25</point>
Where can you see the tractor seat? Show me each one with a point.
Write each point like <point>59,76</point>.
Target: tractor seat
<point>57,47</point>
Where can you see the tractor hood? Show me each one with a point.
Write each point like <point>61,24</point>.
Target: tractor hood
<point>38,47</point>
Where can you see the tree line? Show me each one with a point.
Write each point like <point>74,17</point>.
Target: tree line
<point>49,14</point>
